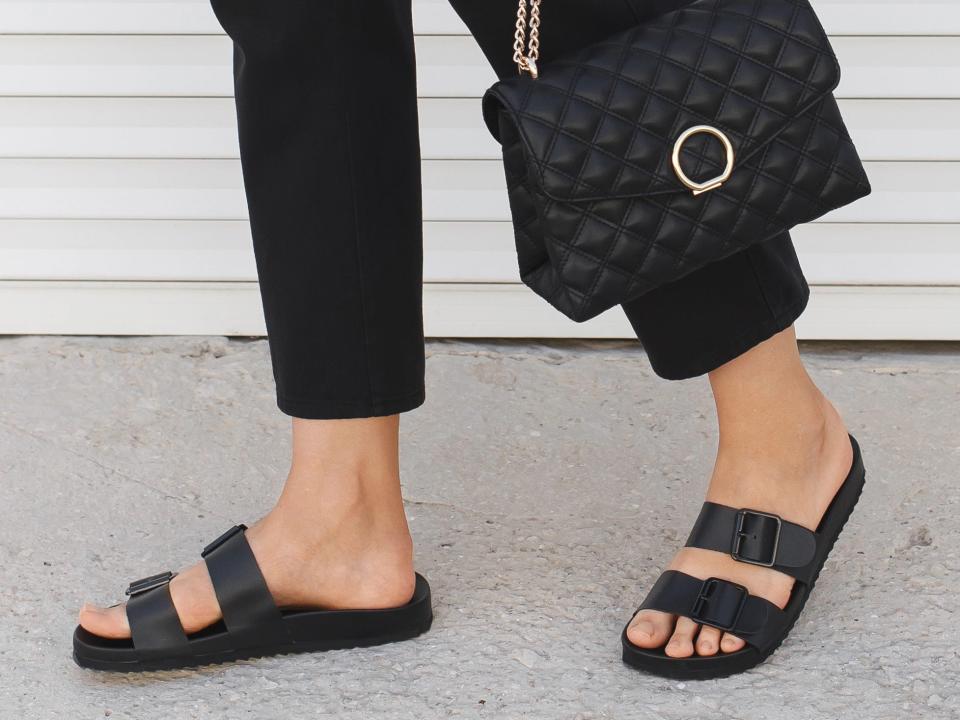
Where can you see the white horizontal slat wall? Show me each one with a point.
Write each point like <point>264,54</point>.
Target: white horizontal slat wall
<point>122,210</point>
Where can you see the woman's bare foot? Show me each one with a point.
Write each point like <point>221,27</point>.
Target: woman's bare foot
<point>783,450</point>
<point>337,538</point>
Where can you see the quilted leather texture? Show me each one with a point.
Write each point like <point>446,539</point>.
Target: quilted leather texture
<point>600,216</point>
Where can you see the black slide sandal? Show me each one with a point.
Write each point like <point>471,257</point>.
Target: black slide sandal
<point>758,539</point>
<point>252,625</point>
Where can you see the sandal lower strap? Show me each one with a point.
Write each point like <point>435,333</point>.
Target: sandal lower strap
<point>154,623</point>
<point>756,538</point>
<point>718,603</point>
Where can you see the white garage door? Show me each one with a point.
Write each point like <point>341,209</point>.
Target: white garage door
<point>121,204</point>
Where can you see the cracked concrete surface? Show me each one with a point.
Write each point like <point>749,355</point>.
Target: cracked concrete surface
<point>546,484</point>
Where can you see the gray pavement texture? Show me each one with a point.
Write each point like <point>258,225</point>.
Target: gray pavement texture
<point>547,485</point>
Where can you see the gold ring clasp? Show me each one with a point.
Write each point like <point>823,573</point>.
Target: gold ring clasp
<point>699,188</point>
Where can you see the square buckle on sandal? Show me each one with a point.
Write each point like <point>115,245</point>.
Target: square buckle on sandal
<point>138,587</point>
<point>752,538</point>
<point>719,604</point>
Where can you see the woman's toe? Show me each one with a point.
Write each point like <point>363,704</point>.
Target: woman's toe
<point>708,641</point>
<point>106,622</point>
<point>731,643</point>
<point>650,628</point>
<point>681,644</point>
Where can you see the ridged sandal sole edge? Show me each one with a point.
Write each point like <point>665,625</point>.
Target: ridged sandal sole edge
<point>252,654</point>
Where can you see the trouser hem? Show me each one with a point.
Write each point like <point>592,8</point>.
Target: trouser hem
<point>331,410</point>
<point>758,333</point>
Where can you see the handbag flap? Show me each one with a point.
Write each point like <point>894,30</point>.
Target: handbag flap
<point>602,123</point>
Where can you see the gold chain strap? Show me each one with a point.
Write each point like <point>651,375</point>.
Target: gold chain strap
<point>526,55</point>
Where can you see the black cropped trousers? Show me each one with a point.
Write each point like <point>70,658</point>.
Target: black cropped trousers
<point>327,113</point>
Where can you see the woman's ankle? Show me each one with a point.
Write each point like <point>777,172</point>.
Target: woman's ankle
<point>792,468</point>
<point>321,510</point>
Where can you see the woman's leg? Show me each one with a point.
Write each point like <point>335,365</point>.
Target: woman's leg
<point>334,196</point>
<point>783,447</point>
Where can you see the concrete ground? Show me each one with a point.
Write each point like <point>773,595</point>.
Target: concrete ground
<point>546,484</point>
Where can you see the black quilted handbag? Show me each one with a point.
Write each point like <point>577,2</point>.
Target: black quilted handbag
<point>669,146</point>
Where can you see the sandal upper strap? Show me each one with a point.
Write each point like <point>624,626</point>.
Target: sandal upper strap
<point>756,538</point>
<point>249,612</point>
<point>154,623</point>
<point>718,603</point>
